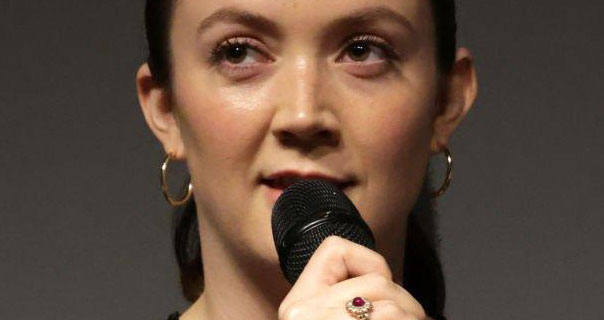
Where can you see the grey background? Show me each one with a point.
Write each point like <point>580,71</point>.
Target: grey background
<point>84,230</point>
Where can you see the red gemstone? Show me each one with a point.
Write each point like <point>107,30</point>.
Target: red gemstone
<point>358,302</point>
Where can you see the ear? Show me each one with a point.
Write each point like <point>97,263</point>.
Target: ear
<point>157,108</point>
<point>458,92</point>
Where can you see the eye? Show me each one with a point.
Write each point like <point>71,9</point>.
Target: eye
<point>237,56</point>
<point>365,50</point>
<point>236,53</point>
<point>361,51</point>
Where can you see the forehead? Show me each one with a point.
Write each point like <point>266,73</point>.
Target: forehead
<point>301,16</point>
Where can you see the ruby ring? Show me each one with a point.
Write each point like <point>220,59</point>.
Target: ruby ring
<point>359,307</point>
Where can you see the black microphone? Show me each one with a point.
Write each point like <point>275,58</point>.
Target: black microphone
<point>306,213</point>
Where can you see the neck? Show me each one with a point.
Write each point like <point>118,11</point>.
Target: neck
<point>237,288</point>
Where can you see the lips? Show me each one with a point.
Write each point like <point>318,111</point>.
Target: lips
<point>283,179</point>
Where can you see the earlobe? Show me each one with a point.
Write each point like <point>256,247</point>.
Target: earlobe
<point>157,109</point>
<point>459,94</point>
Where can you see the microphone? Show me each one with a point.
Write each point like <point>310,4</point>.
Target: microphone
<point>306,213</point>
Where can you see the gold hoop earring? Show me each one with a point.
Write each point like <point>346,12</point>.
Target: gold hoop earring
<point>164,186</point>
<point>447,181</point>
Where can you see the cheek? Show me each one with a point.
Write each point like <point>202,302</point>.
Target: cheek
<point>398,138</point>
<point>221,124</point>
<point>394,149</point>
<point>221,131</point>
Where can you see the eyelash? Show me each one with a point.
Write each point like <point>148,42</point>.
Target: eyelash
<point>370,39</point>
<point>217,53</point>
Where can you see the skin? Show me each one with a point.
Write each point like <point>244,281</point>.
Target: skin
<point>304,102</point>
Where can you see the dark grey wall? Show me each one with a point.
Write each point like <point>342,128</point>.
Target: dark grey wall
<point>84,230</point>
<point>523,224</point>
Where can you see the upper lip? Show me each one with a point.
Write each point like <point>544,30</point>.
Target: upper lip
<point>292,173</point>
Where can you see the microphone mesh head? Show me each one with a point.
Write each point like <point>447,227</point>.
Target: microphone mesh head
<point>299,203</point>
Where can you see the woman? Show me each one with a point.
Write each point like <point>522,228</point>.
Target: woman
<point>254,93</point>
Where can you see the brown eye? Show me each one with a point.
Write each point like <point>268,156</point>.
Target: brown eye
<point>359,51</point>
<point>235,53</point>
<point>238,58</point>
<point>367,49</point>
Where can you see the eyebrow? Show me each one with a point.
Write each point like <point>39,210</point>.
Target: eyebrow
<point>256,21</point>
<point>246,18</point>
<point>367,16</point>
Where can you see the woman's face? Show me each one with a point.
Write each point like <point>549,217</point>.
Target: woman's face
<point>342,88</point>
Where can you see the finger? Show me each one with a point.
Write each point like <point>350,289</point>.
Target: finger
<point>336,260</point>
<point>375,287</point>
<point>390,310</point>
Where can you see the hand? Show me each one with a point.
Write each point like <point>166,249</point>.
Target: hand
<point>340,270</point>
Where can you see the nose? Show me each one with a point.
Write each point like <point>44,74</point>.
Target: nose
<point>303,117</point>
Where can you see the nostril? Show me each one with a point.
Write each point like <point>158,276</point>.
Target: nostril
<point>326,134</point>
<point>286,137</point>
